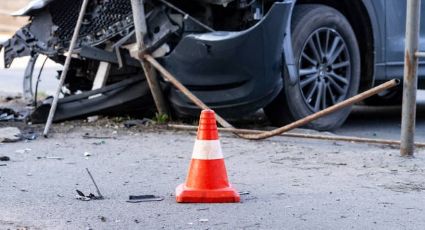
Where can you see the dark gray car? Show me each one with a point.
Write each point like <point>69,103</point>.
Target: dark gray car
<point>292,58</point>
<point>369,39</point>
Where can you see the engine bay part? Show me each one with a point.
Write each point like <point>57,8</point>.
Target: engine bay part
<point>131,95</point>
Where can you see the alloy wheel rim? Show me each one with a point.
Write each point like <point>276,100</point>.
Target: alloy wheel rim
<point>324,69</point>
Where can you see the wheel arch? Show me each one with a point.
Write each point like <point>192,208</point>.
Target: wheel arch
<point>366,36</point>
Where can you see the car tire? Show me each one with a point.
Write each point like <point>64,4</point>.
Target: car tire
<point>328,74</point>
<point>387,98</point>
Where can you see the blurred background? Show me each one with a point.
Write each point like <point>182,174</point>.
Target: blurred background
<point>9,24</point>
<point>11,79</point>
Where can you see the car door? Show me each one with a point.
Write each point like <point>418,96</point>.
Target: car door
<point>395,37</point>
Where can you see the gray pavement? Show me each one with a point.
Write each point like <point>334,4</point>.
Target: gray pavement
<point>292,183</point>
<point>382,122</point>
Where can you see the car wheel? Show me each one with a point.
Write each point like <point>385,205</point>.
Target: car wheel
<point>328,58</point>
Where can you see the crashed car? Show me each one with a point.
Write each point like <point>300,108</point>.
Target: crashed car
<point>290,58</point>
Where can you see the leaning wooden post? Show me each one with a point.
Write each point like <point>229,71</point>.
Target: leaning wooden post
<point>141,30</point>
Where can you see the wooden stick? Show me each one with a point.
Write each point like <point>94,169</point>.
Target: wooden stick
<point>301,135</point>
<point>150,74</point>
<point>169,77</point>
<point>266,134</point>
<point>327,111</point>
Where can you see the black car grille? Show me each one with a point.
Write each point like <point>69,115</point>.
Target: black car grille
<point>100,16</point>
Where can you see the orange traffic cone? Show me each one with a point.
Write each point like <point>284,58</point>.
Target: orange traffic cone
<point>207,179</point>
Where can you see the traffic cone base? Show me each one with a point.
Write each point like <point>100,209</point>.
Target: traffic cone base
<point>189,195</point>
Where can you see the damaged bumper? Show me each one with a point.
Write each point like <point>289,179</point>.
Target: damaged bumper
<point>233,72</point>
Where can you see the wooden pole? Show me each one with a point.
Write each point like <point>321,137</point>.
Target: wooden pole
<point>141,30</point>
<point>301,135</point>
<point>169,77</point>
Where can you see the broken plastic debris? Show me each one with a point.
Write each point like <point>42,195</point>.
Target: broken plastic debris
<point>88,136</point>
<point>99,143</point>
<point>51,158</point>
<point>92,119</point>
<point>22,151</point>
<point>29,136</point>
<point>4,158</point>
<point>81,196</point>
<point>143,122</point>
<point>7,114</point>
<point>144,198</point>
<point>102,218</point>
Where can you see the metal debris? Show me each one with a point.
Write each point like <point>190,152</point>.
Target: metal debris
<point>7,114</point>
<point>143,122</point>
<point>29,136</point>
<point>51,158</point>
<point>4,158</point>
<point>144,198</point>
<point>99,195</point>
<point>99,143</point>
<point>88,136</point>
<point>81,196</point>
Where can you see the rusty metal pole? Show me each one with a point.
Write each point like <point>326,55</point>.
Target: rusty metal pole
<point>410,86</point>
<point>150,74</point>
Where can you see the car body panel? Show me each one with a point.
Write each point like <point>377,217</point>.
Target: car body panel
<point>233,72</point>
<point>395,42</point>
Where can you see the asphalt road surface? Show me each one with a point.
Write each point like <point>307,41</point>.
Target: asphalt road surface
<point>288,183</point>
